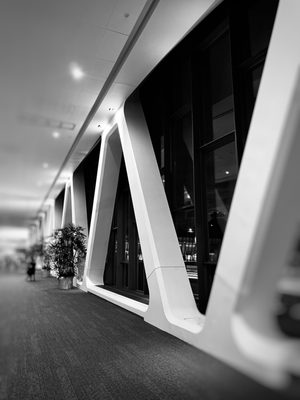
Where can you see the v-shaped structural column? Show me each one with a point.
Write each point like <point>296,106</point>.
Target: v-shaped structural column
<point>171,302</point>
<point>103,207</point>
<point>171,297</point>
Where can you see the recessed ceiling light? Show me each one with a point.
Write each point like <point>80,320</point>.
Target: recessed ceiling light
<point>45,165</point>
<point>227,172</point>
<point>56,134</point>
<point>111,109</point>
<point>76,71</point>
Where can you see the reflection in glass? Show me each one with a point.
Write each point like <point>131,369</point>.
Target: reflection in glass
<point>183,162</point>
<point>126,248</point>
<point>124,268</point>
<point>126,220</point>
<point>140,268</point>
<point>162,152</point>
<point>220,174</point>
<point>220,88</point>
<point>185,228</point>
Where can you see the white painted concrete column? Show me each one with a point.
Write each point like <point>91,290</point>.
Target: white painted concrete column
<point>171,304</point>
<point>104,201</point>
<point>262,221</point>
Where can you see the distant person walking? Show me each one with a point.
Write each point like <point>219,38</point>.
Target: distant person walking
<point>31,270</point>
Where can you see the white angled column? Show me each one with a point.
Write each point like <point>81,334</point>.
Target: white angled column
<point>171,302</point>
<point>262,222</point>
<point>103,206</point>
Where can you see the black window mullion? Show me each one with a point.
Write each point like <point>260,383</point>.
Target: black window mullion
<point>214,144</point>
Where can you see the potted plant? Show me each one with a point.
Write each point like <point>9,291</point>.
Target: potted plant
<point>65,251</point>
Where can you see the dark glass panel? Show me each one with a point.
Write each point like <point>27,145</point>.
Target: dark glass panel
<point>180,84</point>
<point>184,221</point>
<point>220,176</point>
<point>219,99</point>
<point>261,15</point>
<point>140,268</point>
<point>59,203</point>
<point>126,226</point>
<point>109,277</point>
<point>90,167</point>
<point>182,162</point>
<point>162,152</point>
<point>124,267</point>
<point>111,259</point>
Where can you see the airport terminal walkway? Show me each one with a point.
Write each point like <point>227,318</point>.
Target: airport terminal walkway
<point>57,344</point>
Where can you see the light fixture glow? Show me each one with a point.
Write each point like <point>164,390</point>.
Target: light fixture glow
<point>76,71</point>
<point>227,172</point>
<point>45,165</point>
<point>56,134</point>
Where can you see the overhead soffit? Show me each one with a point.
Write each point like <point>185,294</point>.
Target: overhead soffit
<point>155,42</point>
<point>38,40</point>
<point>40,95</point>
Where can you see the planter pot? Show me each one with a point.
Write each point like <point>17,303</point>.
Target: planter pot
<point>45,273</point>
<point>65,283</point>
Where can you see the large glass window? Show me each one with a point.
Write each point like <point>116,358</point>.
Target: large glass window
<point>90,166</point>
<point>182,161</point>
<point>216,160</point>
<point>220,176</point>
<point>124,269</point>
<point>183,190</point>
<point>204,92</point>
<point>219,98</point>
<point>184,221</point>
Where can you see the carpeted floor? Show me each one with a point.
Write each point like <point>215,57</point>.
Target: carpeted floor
<point>57,344</point>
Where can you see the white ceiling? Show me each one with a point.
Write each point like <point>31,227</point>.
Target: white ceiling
<point>39,41</point>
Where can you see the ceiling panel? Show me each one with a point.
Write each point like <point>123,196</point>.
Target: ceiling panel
<point>124,15</point>
<point>39,42</point>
